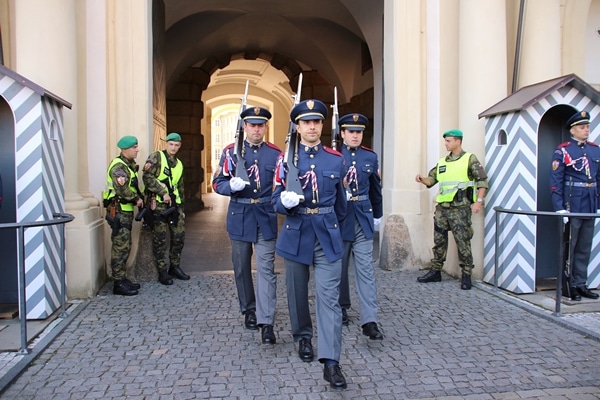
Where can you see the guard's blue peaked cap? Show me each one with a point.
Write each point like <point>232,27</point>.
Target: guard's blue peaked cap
<point>308,110</point>
<point>353,122</point>
<point>256,115</point>
<point>579,118</point>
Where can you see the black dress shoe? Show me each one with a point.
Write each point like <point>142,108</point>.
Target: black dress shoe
<point>121,288</point>
<point>133,285</point>
<point>432,276</point>
<point>267,334</point>
<point>587,293</point>
<point>250,320</point>
<point>465,284</point>
<point>178,273</point>
<point>305,350</point>
<point>164,278</point>
<point>575,296</point>
<point>345,319</point>
<point>371,330</point>
<point>333,375</point>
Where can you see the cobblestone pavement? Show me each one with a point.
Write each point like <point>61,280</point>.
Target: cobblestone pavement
<point>187,341</point>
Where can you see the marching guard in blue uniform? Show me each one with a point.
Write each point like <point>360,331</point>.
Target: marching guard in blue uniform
<point>311,236</point>
<point>365,209</point>
<point>252,221</point>
<point>574,184</point>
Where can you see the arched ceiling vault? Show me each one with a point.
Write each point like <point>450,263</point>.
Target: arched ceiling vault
<point>293,36</point>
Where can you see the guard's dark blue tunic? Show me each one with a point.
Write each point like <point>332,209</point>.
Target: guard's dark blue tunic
<point>364,186</point>
<point>574,177</point>
<point>250,207</point>
<point>322,172</point>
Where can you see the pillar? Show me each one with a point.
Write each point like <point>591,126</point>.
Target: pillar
<point>482,80</point>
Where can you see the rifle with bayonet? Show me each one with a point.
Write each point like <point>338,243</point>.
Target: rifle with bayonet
<point>566,274</point>
<point>335,129</point>
<point>290,158</point>
<point>238,150</point>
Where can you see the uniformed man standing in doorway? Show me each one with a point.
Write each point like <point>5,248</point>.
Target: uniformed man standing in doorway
<point>463,184</point>
<point>574,184</point>
<point>120,197</point>
<point>311,236</point>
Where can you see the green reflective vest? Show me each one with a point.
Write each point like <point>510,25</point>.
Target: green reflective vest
<point>109,191</point>
<point>170,181</point>
<point>452,176</point>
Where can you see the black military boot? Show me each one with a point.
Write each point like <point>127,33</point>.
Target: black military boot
<point>121,288</point>
<point>164,278</point>
<point>133,285</point>
<point>433,275</point>
<point>177,272</point>
<point>465,284</point>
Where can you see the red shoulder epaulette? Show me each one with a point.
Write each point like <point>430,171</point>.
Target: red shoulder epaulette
<point>368,149</point>
<point>592,144</point>
<point>565,144</point>
<point>229,146</point>
<point>271,145</point>
<point>332,151</point>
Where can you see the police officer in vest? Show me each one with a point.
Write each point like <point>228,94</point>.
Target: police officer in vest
<point>574,184</point>
<point>463,184</point>
<point>365,209</point>
<point>163,178</point>
<point>311,237</point>
<point>120,196</point>
<point>252,221</point>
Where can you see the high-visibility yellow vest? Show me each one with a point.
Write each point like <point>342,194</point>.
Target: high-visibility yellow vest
<point>109,191</point>
<point>170,181</point>
<point>455,176</point>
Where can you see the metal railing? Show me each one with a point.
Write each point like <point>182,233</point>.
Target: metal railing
<point>59,219</point>
<point>561,227</point>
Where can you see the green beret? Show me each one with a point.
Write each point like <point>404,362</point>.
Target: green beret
<point>126,142</point>
<point>453,133</point>
<point>174,137</point>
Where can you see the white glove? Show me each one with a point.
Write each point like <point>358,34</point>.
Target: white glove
<point>377,222</point>
<point>236,184</point>
<point>565,219</point>
<point>289,199</point>
<point>348,196</point>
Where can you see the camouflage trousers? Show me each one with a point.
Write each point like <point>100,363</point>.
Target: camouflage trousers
<point>457,220</point>
<point>121,245</point>
<point>168,231</point>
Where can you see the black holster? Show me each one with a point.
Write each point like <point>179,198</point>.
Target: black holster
<point>170,215</point>
<point>115,223</point>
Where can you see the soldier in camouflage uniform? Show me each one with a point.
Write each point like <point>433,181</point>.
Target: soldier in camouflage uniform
<point>463,184</point>
<point>120,196</point>
<point>163,179</point>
